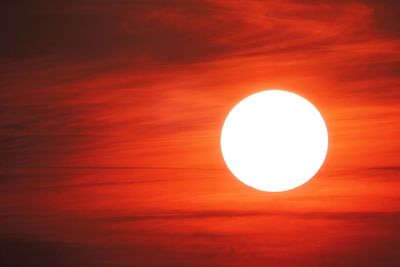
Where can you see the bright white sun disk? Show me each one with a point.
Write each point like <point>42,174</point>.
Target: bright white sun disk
<point>274,140</point>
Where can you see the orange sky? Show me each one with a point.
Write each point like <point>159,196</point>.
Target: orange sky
<point>110,124</point>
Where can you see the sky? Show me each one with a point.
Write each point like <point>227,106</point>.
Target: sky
<point>110,122</point>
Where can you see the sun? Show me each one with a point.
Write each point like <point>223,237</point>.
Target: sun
<point>274,140</point>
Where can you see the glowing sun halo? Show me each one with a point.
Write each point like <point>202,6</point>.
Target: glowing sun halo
<point>274,140</point>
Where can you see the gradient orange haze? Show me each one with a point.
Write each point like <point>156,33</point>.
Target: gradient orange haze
<point>110,124</point>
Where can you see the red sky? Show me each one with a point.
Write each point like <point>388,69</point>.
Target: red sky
<point>110,120</point>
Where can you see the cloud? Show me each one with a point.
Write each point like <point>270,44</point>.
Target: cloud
<point>210,214</point>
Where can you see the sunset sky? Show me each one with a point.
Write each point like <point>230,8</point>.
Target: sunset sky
<point>110,120</point>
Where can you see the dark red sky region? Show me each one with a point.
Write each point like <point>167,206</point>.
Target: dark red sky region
<point>110,121</point>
